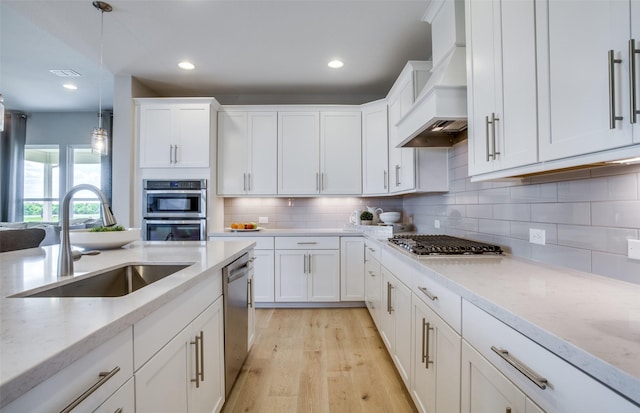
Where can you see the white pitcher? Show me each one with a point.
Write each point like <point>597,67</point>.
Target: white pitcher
<point>375,211</point>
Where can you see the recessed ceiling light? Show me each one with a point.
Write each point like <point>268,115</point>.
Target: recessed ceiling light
<point>186,65</point>
<point>335,64</point>
<point>70,86</point>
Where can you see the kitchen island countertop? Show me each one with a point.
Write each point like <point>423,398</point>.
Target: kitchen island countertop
<point>41,336</point>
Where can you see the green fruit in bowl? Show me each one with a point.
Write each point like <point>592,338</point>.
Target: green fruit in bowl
<point>107,229</point>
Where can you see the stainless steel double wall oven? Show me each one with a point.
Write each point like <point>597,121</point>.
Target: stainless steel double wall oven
<point>174,210</point>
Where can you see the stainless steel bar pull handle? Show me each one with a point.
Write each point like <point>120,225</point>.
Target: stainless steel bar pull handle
<point>104,377</point>
<point>424,329</point>
<point>521,367</point>
<point>118,410</point>
<point>170,153</point>
<point>317,182</point>
<point>244,182</point>
<point>486,128</point>
<point>175,153</point>
<point>397,175</point>
<point>612,91</point>
<point>197,379</point>
<point>494,119</point>
<point>201,355</point>
<point>249,185</point>
<point>428,293</point>
<point>250,293</point>
<point>633,80</point>
<point>426,353</point>
<point>385,180</point>
<point>389,306</point>
<point>307,243</point>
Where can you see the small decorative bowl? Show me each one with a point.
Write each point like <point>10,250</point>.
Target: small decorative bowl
<point>390,217</point>
<point>84,238</point>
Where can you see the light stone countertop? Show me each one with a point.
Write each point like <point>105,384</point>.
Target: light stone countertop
<point>591,321</point>
<point>40,336</point>
<point>287,232</point>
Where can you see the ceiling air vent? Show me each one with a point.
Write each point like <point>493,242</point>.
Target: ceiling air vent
<point>65,72</point>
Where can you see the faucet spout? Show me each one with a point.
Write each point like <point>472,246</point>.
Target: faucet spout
<point>65,258</point>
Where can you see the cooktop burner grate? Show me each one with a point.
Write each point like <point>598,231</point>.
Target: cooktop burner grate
<point>442,245</point>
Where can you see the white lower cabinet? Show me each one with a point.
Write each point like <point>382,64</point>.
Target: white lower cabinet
<point>435,374</point>
<point>187,374</point>
<point>307,269</point>
<point>122,401</point>
<point>373,281</point>
<point>396,322</point>
<point>85,384</point>
<point>307,275</point>
<point>486,390</point>
<point>352,269</point>
<point>541,378</point>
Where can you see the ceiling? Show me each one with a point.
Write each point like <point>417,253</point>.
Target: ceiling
<point>245,52</point>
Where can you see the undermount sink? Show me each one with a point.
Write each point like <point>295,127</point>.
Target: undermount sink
<point>116,282</point>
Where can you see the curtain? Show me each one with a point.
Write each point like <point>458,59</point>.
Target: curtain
<point>12,141</point>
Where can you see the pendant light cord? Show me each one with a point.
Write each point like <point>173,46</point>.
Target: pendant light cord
<point>100,74</point>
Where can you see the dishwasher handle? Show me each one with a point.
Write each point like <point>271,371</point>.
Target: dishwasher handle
<point>237,273</point>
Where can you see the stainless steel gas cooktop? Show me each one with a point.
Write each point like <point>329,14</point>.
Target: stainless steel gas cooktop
<point>425,245</point>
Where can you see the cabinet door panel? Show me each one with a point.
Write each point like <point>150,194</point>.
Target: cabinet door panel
<point>387,321</point>
<point>298,150</point>
<point>156,136</point>
<point>401,304</point>
<point>373,285</point>
<point>573,43</point>
<point>324,281</point>
<point>209,396</point>
<point>485,389</point>
<point>291,278</point>
<point>263,283</point>
<point>375,158</point>
<point>263,132</point>
<point>352,269</point>
<point>233,147</point>
<point>193,123</point>
<point>161,384</point>
<point>340,153</point>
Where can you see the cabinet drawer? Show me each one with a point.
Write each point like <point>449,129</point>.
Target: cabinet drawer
<point>262,243</point>
<point>307,243</point>
<point>567,388</point>
<point>372,249</point>
<point>66,386</point>
<point>443,301</point>
<point>154,331</point>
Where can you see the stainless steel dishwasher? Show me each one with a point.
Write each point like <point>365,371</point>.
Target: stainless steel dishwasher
<point>235,278</point>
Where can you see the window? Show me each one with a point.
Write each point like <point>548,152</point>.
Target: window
<point>42,192</point>
<point>41,183</point>
<point>86,169</point>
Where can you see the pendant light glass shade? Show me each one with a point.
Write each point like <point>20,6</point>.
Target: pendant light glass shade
<point>100,141</point>
<point>99,137</point>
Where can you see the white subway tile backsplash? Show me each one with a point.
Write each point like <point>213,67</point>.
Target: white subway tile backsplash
<point>611,188</point>
<point>535,193</point>
<point>616,266</point>
<point>479,211</point>
<point>494,196</point>
<point>578,259</point>
<point>613,240</point>
<point>620,214</point>
<point>512,212</point>
<point>495,227</point>
<point>577,213</point>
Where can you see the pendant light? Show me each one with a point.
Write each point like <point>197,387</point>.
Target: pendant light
<point>99,137</point>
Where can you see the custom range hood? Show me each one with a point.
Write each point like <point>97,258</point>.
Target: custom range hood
<point>438,117</point>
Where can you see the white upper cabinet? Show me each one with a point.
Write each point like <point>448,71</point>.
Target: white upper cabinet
<point>501,90</point>
<point>298,153</point>
<point>583,76</point>
<point>319,153</point>
<point>340,153</point>
<point>174,133</point>
<point>247,153</point>
<point>401,160</point>
<point>375,160</point>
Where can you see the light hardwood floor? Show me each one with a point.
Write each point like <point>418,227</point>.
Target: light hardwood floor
<point>318,360</point>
